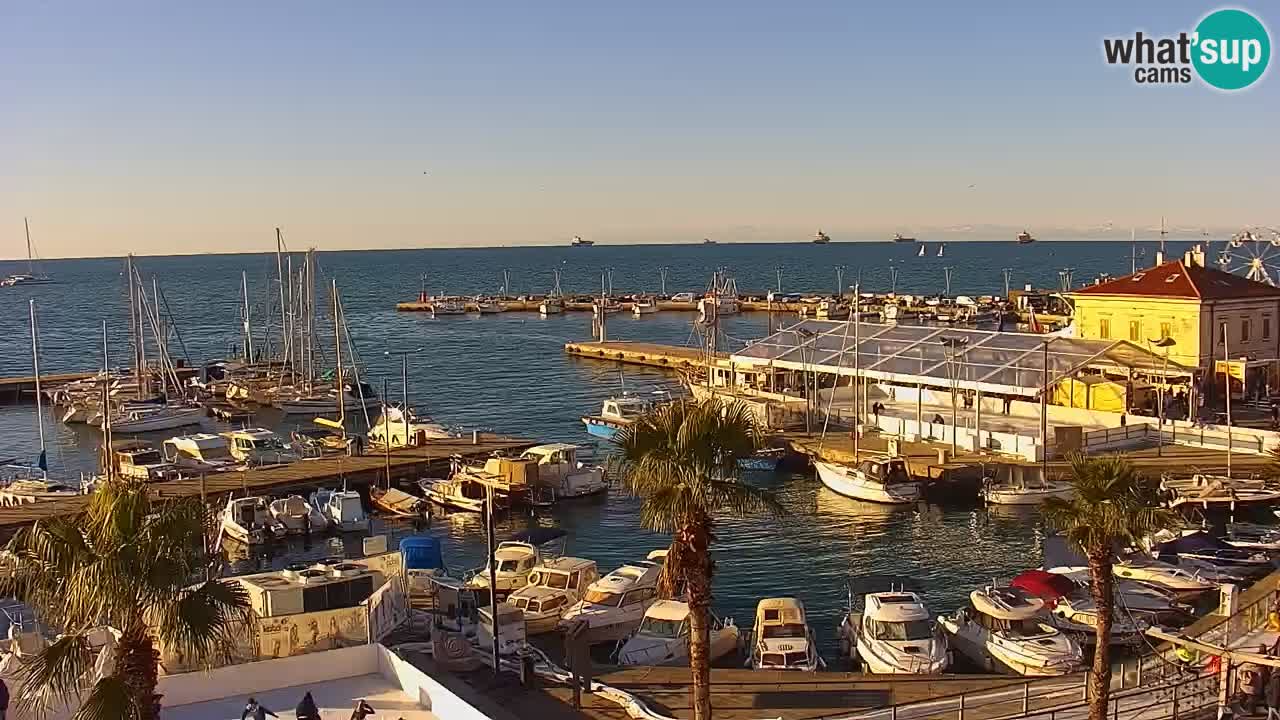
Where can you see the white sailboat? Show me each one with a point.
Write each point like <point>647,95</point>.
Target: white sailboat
<point>31,276</point>
<point>1008,485</point>
<point>886,480</point>
<point>922,249</point>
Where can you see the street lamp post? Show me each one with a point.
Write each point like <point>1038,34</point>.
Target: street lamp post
<point>952,347</point>
<point>810,336</point>
<point>404,388</point>
<point>1166,343</point>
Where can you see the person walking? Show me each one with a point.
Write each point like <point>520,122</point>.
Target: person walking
<point>307,709</point>
<point>253,710</point>
<point>362,710</point>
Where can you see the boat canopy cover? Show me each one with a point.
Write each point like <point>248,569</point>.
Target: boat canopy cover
<point>421,552</point>
<point>1198,541</point>
<point>1006,603</point>
<point>538,536</point>
<point>1045,585</point>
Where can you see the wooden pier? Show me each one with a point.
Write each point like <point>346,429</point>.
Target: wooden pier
<point>303,474</point>
<point>17,390</point>
<point>641,353</point>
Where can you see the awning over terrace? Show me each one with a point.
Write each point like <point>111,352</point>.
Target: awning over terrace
<point>993,362</point>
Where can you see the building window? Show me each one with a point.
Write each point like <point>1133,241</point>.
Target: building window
<point>1104,329</point>
<point>1244,330</point>
<point>1165,330</point>
<point>1135,331</point>
<point>1266,327</point>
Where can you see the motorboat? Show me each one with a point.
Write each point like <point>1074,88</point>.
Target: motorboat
<point>34,488</point>
<point>513,561</point>
<point>617,413</point>
<point>1163,575</point>
<point>716,306</point>
<point>1025,238</point>
<point>1253,536</point>
<point>456,493</point>
<point>1072,609</point>
<point>1006,629</point>
<point>614,605</point>
<point>644,306</point>
<point>248,520</point>
<point>894,634</point>
<point>781,638</point>
<point>1217,491</point>
<point>259,446</point>
<point>821,238</point>
<point>512,632</point>
<point>1142,601</point>
<point>488,306</point>
<point>663,637</point>
<point>138,460</point>
<point>898,238</point>
<point>1202,547</point>
<point>579,242</point>
<point>201,452</point>
<point>326,402</point>
<point>511,480</point>
<point>560,472</point>
<point>342,508</point>
<point>397,502</point>
<point>553,305</point>
<point>423,561</point>
<point>1010,485</point>
<point>553,586</point>
<point>394,428</point>
<point>448,306</point>
<point>298,516</point>
<point>609,305</point>
<point>881,480</point>
<point>156,418</point>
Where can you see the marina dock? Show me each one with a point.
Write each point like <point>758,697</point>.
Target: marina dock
<point>303,474</point>
<point>18,390</point>
<point>641,353</point>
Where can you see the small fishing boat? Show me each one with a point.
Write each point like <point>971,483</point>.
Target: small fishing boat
<point>448,306</point>
<point>457,493</point>
<point>610,306</point>
<point>395,428</point>
<point>1217,491</point>
<point>488,306</point>
<point>513,561</point>
<point>831,310</point>
<point>560,472</point>
<point>554,586</point>
<point>342,508</point>
<point>398,502</point>
<point>551,306</point>
<point>781,638</point>
<point>23,485</point>
<point>821,238</point>
<point>644,306</point>
<point>1006,629</point>
<point>900,239</point>
<point>138,460</point>
<point>879,480</point>
<point>618,412</point>
<point>894,634</point>
<point>614,605</point>
<point>1008,485</point>
<point>1025,238</point>
<point>1201,547</point>
<point>663,637</point>
<point>1161,575</point>
<point>297,515</point>
<point>1073,611</point>
<point>579,242</point>
<point>248,520</point>
<point>942,247</point>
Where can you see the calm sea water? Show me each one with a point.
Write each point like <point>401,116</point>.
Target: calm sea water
<point>508,373</point>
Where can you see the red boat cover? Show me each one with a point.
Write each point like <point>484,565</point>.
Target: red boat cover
<point>1044,585</point>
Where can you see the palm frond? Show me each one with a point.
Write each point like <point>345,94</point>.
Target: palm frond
<point>1112,505</point>
<point>203,620</point>
<point>110,699</point>
<point>56,674</point>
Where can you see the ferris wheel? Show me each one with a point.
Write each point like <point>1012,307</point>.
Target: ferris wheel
<point>1253,252</point>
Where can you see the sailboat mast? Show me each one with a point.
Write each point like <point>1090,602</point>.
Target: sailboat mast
<point>35,365</point>
<point>248,332</point>
<point>284,337</point>
<point>133,329</point>
<point>337,352</point>
<point>106,407</point>
<point>31,263</point>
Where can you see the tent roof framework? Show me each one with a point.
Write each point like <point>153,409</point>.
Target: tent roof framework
<point>990,361</point>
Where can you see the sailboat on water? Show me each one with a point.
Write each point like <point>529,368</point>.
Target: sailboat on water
<point>31,276</point>
<point>923,247</point>
<point>941,248</point>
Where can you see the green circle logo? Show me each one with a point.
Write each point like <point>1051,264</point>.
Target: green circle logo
<point>1232,49</point>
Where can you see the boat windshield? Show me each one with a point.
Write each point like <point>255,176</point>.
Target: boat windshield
<point>787,630</point>
<point>909,630</point>
<point>656,627</point>
<point>559,581</point>
<point>508,565</point>
<point>270,443</point>
<point>146,457</point>
<point>600,597</point>
<point>1030,627</point>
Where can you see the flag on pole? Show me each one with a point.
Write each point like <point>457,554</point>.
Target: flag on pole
<point>43,462</point>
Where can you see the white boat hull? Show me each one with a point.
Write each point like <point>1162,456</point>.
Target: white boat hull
<point>323,406</point>
<point>1025,496</point>
<point>169,419</point>
<point>545,308</point>
<point>847,482</point>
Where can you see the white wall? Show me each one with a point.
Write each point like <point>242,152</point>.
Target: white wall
<point>259,677</point>
<point>430,694</point>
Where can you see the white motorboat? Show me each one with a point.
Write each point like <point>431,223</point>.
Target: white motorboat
<point>781,638</point>
<point>514,560</point>
<point>156,418</point>
<point>1011,485</point>
<point>249,520</point>
<point>560,472</point>
<point>201,452</point>
<point>393,427</point>
<point>1161,575</point>
<point>486,306</point>
<point>1006,629</point>
<point>614,605</point>
<point>894,634</point>
<point>1252,536</point>
<point>644,306</point>
<point>512,632</point>
<point>26,487</point>
<point>448,306</point>
<point>831,310</point>
<point>1140,600</point>
<point>456,493</point>
<point>663,637</point>
<point>1073,609</point>
<point>342,508</point>
<point>297,515</point>
<point>1218,491</point>
<point>880,480</point>
<point>258,446</point>
<point>711,307</point>
<point>610,306</point>
<point>553,586</point>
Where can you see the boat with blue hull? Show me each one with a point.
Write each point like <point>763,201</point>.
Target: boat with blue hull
<point>619,412</point>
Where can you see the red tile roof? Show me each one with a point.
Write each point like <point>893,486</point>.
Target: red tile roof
<point>1176,279</point>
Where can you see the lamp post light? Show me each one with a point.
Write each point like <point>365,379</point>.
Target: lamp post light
<point>1166,343</point>
<point>953,347</point>
<point>810,337</point>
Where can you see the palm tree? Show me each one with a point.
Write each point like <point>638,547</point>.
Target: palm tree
<point>681,461</point>
<point>128,564</point>
<point>1113,506</point>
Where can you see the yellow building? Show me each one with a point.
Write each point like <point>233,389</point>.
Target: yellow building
<point>1189,303</point>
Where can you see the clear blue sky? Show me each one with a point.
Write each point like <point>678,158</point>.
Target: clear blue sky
<point>183,127</point>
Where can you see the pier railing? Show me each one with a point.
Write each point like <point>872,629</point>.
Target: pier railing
<point>1204,436</point>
